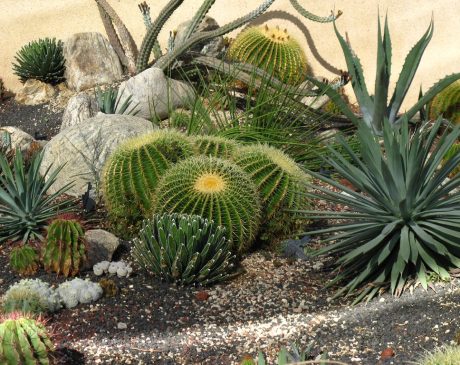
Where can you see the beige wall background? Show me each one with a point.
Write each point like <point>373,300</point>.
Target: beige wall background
<point>24,20</point>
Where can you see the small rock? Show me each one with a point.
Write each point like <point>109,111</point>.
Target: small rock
<point>35,92</point>
<point>122,326</point>
<point>387,353</point>
<point>202,295</point>
<point>101,246</point>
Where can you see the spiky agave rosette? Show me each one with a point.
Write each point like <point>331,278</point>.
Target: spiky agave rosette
<point>185,249</point>
<point>272,50</point>
<point>217,190</point>
<point>24,340</point>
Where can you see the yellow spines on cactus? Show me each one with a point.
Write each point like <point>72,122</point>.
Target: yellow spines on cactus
<point>447,103</point>
<point>132,172</point>
<point>272,50</point>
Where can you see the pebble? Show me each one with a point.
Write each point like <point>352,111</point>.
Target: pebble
<point>122,326</point>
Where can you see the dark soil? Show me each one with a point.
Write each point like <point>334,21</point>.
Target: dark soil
<point>40,121</point>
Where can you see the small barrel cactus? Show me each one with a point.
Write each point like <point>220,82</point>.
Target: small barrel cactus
<point>215,189</point>
<point>132,172</point>
<point>24,260</point>
<point>447,103</point>
<point>31,295</point>
<point>77,291</point>
<point>272,50</point>
<point>65,248</point>
<point>215,146</point>
<point>184,249</point>
<point>109,287</point>
<point>24,340</point>
<point>41,60</point>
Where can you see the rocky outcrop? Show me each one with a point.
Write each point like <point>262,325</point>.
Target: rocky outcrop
<point>154,94</point>
<point>90,61</point>
<point>84,148</point>
<point>35,92</point>
<point>79,108</point>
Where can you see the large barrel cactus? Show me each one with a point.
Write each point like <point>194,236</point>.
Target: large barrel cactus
<point>215,189</point>
<point>184,249</point>
<point>273,50</point>
<point>281,185</point>
<point>24,340</point>
<point>65,248</point>
<point>447,103</point>
<point>215,146</point>
<point>133,171</point>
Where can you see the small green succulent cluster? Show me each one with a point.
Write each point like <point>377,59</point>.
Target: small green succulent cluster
<point>24,340</point>
<point>184,249</point>
<point>41,60</point>
<point>65,250</point>
<point>24,260</point>
<point>447,104</point>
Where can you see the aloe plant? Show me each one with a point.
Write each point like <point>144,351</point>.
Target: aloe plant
<point>375,108</point>
<point>404,222</point>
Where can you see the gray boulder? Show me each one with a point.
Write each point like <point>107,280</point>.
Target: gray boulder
<point>154,94</point>
<point>85,147</point>
<point>79,108</point>
<point>90,61</point>
<point>101,247</point>
<point>18,138</point>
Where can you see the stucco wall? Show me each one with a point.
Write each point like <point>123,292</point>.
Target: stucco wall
<point>24,20</point>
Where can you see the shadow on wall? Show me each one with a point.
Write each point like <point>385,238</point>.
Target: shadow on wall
<point>279,14</point>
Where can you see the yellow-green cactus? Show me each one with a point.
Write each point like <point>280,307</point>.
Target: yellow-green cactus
<point>447,103</point>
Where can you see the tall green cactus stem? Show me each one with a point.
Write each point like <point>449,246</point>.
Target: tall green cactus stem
<point>198,18</point>
<point>305,13</point>
<point>65,249</point>
<point>215,146</point>
<point>24,341</point>
<point>145,11</point>
<point>447,104</point>
<point>215,189</point>
<point>281,184</point>
<point>273,50</point>
<point>126,41</point>
<point>184,249</point>
<point>152,34</point>
<point>164,62</point>
<point>134,169</point>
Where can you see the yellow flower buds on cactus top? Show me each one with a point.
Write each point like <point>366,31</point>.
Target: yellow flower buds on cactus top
<point>133,171</point>
<point>447,103</point>
<point>215,189</point>
<point>272,50</point>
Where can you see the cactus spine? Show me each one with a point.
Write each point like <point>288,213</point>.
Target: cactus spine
<point>215,146</point>
<point>24,341</point>
<point>134,169</point>
<point>447,103</point>
<point>215,189</point>
<point>65,250</point>
<point>184,249</point>
<point>272,50</point>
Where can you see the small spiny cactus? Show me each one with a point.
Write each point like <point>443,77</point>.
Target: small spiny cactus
<point>24,260</point>
<point>447,104</point>
<point>24,340</point>
<point>272,50</point>
<point>215,189</point>
<point>109,287</point>
<point>65,248</point>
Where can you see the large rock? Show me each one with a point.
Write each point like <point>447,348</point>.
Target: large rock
<point>90,61</point>
<point>79,108</point>
<point>35,92</point>
<point>211,47</point>
<point>155,94</point>
<point>18,138</point>
<point>101,247</point>
<point>84,148</point>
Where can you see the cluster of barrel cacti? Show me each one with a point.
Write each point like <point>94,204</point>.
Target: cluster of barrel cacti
<point>235,186</point>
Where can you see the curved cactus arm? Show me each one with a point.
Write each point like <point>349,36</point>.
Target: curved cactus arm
<point>126,40</point>
<point>320,19</point>
<point>357,79</point>
<point>169,58</point>
<point>198,18</point>
<point>429,95</point>
<point>152,34</point>
<point>409,68</point>
<point>145,11</point>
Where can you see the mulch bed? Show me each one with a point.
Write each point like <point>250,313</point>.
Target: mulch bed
<point>274,302</point>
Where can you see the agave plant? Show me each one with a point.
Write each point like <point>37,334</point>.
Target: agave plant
<point>24,206</point>
<point>108,101</point>
<point>405,220</point>
<point>375,108</point>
